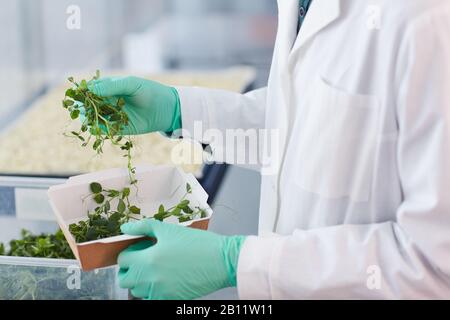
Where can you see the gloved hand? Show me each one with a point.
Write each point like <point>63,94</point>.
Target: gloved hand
<point>150,106</point>
<point>185,263</point>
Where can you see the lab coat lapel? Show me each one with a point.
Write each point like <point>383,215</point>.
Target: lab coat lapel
<point>287,26</point>
<point>280,75</point>
<point>320,14</point>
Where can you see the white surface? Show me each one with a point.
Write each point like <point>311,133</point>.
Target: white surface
<point>142,52</point>
<point>32,204</point>
<point>10,227</point>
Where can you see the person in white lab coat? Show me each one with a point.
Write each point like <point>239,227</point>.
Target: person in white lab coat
<point>357,204</point>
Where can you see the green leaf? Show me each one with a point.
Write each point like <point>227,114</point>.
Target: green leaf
<point>96,187</point>
<point>135,210</point>
<point>97,144</point>
<point>159,216</point>
<point>176,211</point>
<point>116,216</point>
<point>99,198</point>
<point>76,134</point>
<point>68,103</point>
<point>184,219</point>
<point>78,97</point>
<point>83,85</point>
<point>127,146</point>
<point>112,226</point>
<point>113,193</point>
<point>187,210</point>
<point>184,203</point>
<point>91,234</point>
<point>188,188</point>
<point>161,209</point>
<point>70,93</point>
<point>125,192</point>
<point>121,206</point>
<point>99,222</point>
<point>203,213</point>
<point>74,114</point>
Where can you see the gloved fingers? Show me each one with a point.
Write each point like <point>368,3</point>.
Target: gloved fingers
<point>135,121</point>
<point>126,279</point>
<point>108,87</point>
<point>126,258</point>
<point>141,245</point>
<point>153,292</point>
<point>142,227</point>
<point>130,129</point>
<point>140,291</point>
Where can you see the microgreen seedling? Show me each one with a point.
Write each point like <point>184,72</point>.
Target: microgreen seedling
<point>182,211</point>
<point>103,119</point>
<point>114,209</point>
<point>41,246</point>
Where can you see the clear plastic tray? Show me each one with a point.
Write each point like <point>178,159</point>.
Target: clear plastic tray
<point>52,279</point>
<point>56,279</point>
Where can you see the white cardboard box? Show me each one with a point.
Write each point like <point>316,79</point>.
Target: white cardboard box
<point>156,185</point>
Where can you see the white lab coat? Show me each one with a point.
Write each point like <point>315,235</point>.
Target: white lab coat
<point>360,205</point>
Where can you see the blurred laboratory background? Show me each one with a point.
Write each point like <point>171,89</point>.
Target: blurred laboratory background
<point>39,45</point>
<point>216,43</point>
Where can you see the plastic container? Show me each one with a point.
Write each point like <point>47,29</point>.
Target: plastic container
<point>56,279</point>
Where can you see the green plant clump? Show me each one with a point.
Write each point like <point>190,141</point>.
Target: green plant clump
<point>39,246</point>
<point>105,220</point>
<point>102,119</point>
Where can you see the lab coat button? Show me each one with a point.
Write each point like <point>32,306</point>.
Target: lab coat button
<point>302,12</point>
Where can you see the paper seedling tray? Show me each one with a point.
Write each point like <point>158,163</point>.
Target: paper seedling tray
<point>156,185</point>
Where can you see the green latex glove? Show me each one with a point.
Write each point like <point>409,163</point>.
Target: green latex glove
<point>150,106</point>
<point>184,263</point>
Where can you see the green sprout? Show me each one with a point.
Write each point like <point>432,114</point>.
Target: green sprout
<point>102,119</point>
<point>114,209</point>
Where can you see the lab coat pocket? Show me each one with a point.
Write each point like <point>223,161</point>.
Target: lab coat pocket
<point>337,142</point>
